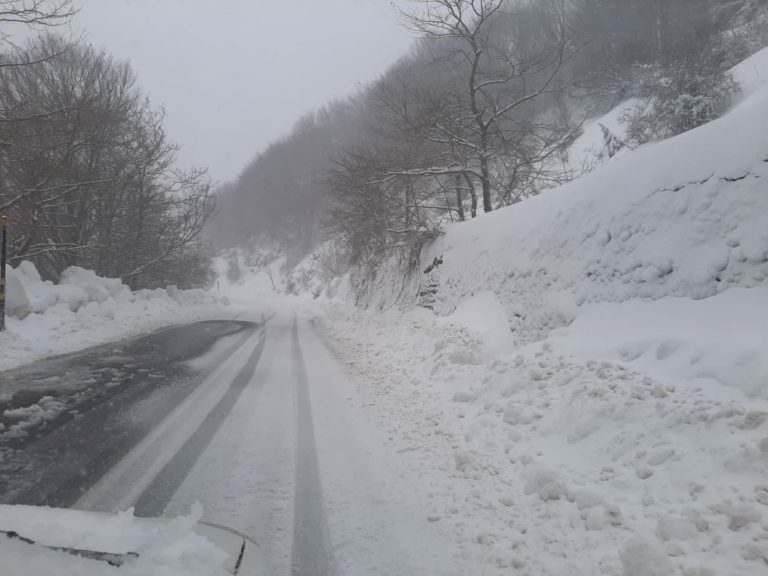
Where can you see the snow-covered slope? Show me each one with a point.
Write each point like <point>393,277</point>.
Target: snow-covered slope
<point>589,151</point>
<point>684,217</point>
<point>752,73</point>
<point>592,396</point>
<point>566,458</point>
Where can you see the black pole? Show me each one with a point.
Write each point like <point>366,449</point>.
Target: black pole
<point>3,245</point>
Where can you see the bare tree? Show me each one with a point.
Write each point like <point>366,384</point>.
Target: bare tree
<point>376,216</point>
<point>37,15</point>
<point>408,104</point>
<point>87,174</point>
<point>40,13</point>
<point>500,77</point>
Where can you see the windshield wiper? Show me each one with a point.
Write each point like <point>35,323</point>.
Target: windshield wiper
<point>108,557</point>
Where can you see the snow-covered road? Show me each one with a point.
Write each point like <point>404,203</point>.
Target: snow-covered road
<point>272,438</point>
<point>298,467</point>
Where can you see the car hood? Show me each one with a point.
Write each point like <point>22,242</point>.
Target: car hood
<point>38,540</point>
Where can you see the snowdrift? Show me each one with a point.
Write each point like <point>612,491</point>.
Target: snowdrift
<point>84,309</point>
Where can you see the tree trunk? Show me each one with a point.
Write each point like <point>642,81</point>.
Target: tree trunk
<point>410,210</point>
<point>408,203</point>
<point>486,182</point>
<point>459,198</point>
<point>473,195</point>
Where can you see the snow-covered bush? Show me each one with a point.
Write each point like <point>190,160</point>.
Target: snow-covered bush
<point>679,97</point>
<point>331,261</point>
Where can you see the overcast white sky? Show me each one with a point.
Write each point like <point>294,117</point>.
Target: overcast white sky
<point>234,75</point>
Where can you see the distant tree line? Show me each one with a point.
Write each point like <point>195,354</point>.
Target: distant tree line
<point>281,193</point>
<point>481,112</point>
<point>88,176</point>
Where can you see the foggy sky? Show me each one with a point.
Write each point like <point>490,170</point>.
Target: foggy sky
<point>234,75</point>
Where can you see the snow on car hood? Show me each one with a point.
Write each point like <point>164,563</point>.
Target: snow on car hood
<point>159,548</point>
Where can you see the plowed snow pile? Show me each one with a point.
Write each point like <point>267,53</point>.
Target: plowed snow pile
<point>591,396</point>
<point>84,309</point>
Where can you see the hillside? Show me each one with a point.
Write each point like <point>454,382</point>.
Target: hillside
<point>393,165</point>
<point>684,217</point>
<point>590,395</point>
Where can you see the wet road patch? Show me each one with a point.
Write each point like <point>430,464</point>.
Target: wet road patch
<point>65,421</point>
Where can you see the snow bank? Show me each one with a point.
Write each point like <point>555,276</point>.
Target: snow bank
<point>571,457</point>
<point>485,315</point>
<point>684,217</point>
<point>84,310</point>
<point>720,341</point>
<point>77,288</point>
<point>16,299</point>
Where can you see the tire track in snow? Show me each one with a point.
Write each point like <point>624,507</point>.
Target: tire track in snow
<point>156,496</point>
<point>310,554</point>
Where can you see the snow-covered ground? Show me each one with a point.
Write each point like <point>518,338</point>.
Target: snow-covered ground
<point>599,450</point>
<point>590,395</point>
<point>84,310</point>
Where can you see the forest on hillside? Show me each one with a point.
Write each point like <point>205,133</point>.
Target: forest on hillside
<point>88,176</point>
<point>480,114</point>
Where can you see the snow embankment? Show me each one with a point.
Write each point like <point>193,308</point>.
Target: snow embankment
<point>84,309</point>
<point>600,450</point>
<point>592,396</point>
<point>718,342</point>
<point>685,217</point>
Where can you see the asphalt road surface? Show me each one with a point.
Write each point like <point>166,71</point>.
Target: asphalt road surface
<point>57,459</point>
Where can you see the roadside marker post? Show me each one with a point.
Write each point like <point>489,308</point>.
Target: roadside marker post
<point>3,247</point>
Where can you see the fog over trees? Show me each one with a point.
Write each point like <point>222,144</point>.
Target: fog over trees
<point>480,114</point>
<point>87,174</point>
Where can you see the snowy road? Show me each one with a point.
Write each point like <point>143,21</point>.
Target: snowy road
<point>274,440</point>
<point>67,420</point>
<point>298,466</point>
